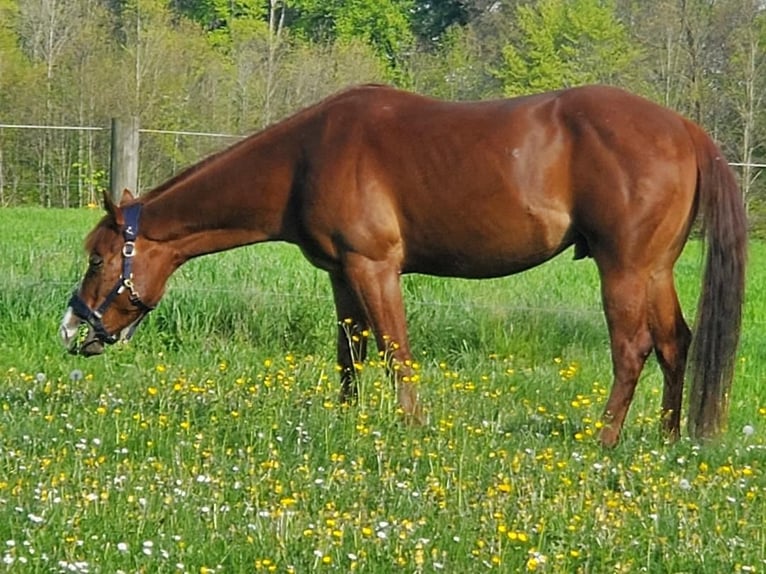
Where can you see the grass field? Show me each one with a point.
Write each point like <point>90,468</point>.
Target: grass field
<point>214,442</point>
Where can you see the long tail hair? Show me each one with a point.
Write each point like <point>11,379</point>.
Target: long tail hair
<point>719,313</point>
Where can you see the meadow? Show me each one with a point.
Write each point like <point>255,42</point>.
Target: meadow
<point>214,442</point>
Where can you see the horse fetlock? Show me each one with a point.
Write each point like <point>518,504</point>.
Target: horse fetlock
<point>408,401</point>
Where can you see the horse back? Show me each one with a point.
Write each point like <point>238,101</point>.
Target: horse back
<point>489,188</point>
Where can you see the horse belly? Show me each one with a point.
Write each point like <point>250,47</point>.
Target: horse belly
<point>492,246</point>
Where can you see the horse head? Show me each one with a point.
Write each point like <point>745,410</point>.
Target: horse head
<point>125,280</point>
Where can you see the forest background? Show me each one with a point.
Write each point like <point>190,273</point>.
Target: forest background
<point>227,68</point>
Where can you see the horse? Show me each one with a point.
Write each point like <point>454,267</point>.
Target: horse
<point>374,182</point>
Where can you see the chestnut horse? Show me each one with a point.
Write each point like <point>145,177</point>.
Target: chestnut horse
<point>374,182</point>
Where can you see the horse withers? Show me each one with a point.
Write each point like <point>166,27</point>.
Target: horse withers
<point>374,182</point>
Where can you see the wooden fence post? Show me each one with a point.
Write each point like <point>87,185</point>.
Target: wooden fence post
<point>123,171</point>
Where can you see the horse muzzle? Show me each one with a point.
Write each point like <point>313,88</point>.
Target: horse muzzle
<point>81,337</point>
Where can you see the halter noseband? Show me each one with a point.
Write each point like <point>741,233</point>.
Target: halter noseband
<point>93,317</point>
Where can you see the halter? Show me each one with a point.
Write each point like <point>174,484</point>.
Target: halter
<point>93,317</point>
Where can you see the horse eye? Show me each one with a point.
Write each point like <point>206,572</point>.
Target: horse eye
<point>95,260</point>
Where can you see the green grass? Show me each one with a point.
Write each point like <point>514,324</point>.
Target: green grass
<point>214,440</point>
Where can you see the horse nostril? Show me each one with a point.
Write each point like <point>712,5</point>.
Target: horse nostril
<point>91,348</point>
<point>90,344</point>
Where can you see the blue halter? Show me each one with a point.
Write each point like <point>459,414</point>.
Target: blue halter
<point>93,317</point>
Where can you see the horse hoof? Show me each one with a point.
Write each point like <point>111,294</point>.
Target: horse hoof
<point>609,437</point>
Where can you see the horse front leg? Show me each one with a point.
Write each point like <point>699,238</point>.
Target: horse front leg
<point>377,286</point>
<point>353,327</point>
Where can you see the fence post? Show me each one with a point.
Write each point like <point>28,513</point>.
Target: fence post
<point>123,170</point>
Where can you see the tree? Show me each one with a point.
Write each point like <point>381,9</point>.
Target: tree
<point>383,24</point>
<point>658,28</point>
<point>218,17</point>
<point>83,71</point>
<point>455,70</point>
<point>12,61</point>
<point>12,69</point>
<point>432,19</point>
<point>745,89</point>
<point>49,31</point>
<point>316,71</point>
<point>565,43</point>
<point>258,49</point>
<point>707,59</point>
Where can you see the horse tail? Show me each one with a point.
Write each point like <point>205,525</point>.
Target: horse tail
<point>719,311</point>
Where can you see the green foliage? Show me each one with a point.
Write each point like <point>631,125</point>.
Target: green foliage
<point>430,20</point>
<point>214,13</point>
<point>11,59</point>
<point>453,71</point>
<point>565,43</point>
<point>219,17</point>
<point>384,24</point>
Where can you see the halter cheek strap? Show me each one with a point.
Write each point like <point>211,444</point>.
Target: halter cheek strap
<point>93,317</point>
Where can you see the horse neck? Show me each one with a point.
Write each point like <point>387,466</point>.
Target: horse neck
<point>237,197</point>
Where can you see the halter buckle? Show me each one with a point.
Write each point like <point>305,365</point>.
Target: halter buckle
<point>129,249</point>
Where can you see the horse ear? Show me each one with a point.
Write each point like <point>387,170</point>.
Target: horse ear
<point>127,196</point>
<point>112,209</point>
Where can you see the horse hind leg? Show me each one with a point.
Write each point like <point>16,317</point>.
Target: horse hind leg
<point>625,306</point>
<point>672,338</point>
